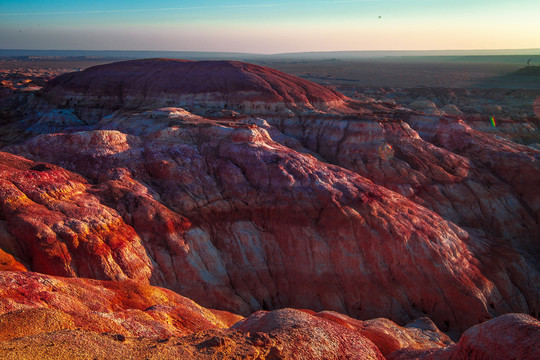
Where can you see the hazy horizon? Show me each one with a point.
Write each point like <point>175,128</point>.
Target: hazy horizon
<point>270,27</point>
<point>345,54</point>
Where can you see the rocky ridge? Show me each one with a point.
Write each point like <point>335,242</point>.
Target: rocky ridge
<point>515,112</point>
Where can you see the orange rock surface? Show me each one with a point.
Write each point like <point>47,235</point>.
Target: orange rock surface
<point>32,303</point>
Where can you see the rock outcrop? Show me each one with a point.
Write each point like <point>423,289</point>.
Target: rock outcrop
<point>32,303</point>
<point>154,83</point>
<point>52,223</point>
<point>511,336</point>
<point>297,329</point>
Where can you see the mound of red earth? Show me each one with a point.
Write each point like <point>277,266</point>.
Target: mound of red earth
<point>156,83</point>
<point>304,200</point>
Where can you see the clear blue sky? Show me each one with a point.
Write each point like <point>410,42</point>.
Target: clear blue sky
<point>270,26</point>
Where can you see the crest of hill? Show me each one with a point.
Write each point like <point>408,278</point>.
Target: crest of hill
<point>229,84</point>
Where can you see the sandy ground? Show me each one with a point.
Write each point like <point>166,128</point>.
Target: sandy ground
<point>403,73</point>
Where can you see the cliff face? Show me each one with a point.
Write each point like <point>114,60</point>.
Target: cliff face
<point>272,192</point>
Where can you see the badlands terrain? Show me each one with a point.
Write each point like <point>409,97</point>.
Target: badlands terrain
<point>161,208</point>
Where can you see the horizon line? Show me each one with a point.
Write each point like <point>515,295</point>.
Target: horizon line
<point>278,53</point>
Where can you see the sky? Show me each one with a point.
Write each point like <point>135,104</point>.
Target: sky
<point>271,26</point>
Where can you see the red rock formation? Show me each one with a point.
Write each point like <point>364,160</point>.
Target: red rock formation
<point>448,184</point>
<point>53,223</point>
<point>8,263</point>
<point>32,303</point>
<point>300,331</point>
<point>242,213</point>
<point>168,82</point>
<point>512,336</point>
<point>388,336</point>
<point>460,186</point>
<point>262,226</point>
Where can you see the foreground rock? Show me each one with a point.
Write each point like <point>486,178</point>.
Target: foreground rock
<point>59,318</point>
<point>298,329</point>
<point>79,344</point>
<point>32,303</point>
<point>43,316</point>
<point>512,336</point>
<point>388,336</point>
<point>341,336</point>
